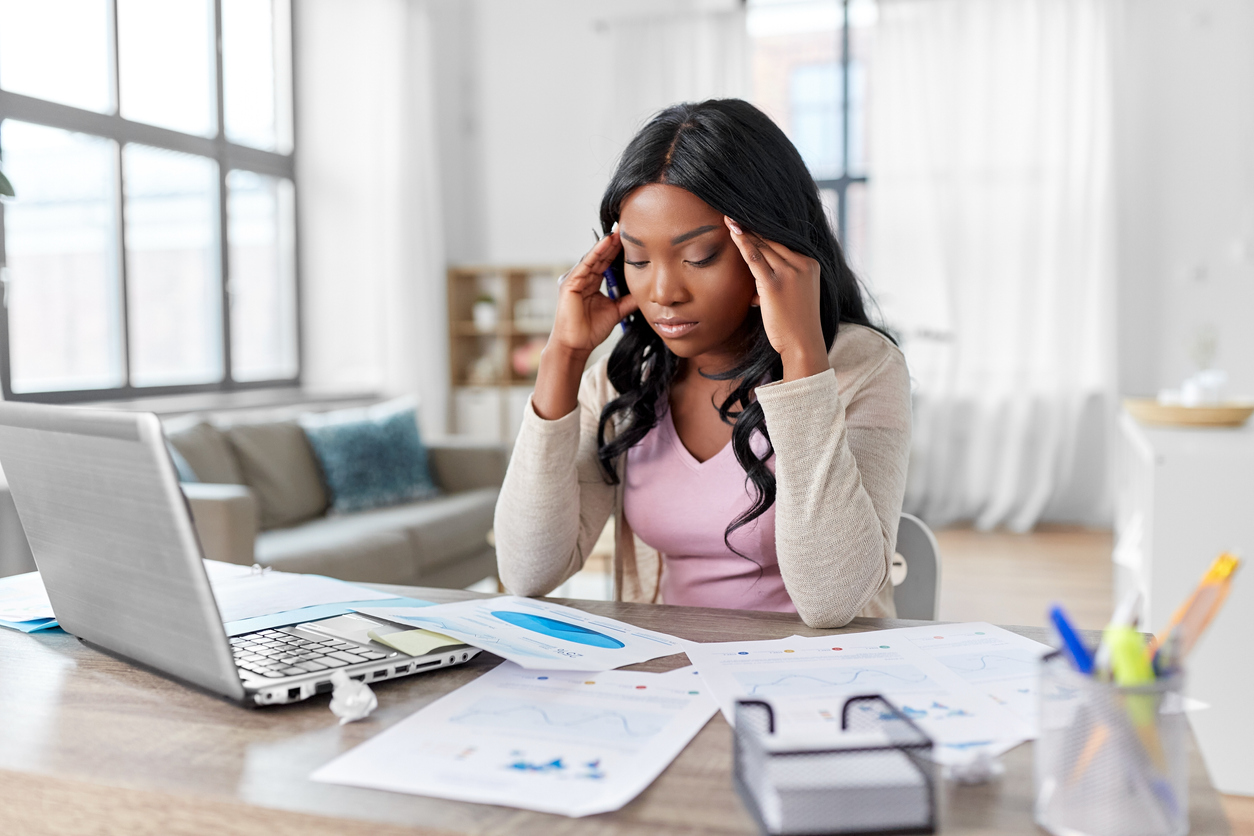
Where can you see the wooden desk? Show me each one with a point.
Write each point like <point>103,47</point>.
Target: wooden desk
<point>90,745</point>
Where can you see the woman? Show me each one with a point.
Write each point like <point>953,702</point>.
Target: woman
<point>750,431</point>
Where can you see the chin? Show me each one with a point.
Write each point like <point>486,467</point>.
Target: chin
<point>686,349</point>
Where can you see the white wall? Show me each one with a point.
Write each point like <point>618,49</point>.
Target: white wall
<point>1184,129</point>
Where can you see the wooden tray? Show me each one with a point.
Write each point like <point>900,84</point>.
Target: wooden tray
<point>1150,411</point>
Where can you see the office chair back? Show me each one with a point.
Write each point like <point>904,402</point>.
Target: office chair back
<point>916,570</point>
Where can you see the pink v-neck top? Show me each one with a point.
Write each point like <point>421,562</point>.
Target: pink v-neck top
<point>681,507</point>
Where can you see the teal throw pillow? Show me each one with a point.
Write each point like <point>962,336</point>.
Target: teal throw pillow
<point>370,458</point>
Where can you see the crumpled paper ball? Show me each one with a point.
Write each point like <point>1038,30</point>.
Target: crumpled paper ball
<point>981,769</point>
<point>351,700</point>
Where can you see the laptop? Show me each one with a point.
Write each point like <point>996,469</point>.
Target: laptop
<point>113,537</point>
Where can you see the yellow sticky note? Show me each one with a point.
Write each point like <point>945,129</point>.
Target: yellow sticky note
<point>414,642</point>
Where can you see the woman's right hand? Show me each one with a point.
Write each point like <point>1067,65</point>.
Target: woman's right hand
<point>585,318</point>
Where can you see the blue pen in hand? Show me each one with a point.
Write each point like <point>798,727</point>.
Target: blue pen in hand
<point>611,283</point>
<point>1071,644</point>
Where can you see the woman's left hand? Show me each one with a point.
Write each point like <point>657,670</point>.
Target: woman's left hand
<point>788,293</point>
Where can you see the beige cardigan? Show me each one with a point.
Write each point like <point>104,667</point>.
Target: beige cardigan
<point>842,442</point>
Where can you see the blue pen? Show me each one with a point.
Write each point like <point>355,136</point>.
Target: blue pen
<point>611,283</point>
<point>1075,649</point>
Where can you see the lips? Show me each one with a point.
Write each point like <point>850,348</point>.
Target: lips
<point>673,327</point>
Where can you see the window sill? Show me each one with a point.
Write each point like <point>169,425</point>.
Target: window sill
<point>172,406</point>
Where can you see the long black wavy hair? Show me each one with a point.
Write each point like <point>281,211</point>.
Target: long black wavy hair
<point>733,157</point>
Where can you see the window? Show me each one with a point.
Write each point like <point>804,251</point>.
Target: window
<point>151,248</point>
<point>809,61</point>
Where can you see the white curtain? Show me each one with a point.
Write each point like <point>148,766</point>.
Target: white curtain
<point>372,244</point>
<point>991,250</point>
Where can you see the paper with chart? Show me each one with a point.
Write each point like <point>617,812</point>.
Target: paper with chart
<point>538,635</point>
<point>554,741</point>
<point>995,661</point>
<point>248,595</point>
<point>807,680</point>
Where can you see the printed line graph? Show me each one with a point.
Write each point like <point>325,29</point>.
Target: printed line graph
<point>569,721</point>
<point>818,680</point>
<point>987,667</point>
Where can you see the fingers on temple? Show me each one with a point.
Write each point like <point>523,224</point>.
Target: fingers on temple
<point>590,268</point>
<point>594,263</point>
<point>756,251</point>
<point>602,253</point>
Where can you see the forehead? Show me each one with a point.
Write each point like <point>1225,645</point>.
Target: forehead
<point>663,212</point>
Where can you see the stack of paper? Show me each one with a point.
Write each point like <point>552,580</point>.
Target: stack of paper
<point>849,792</point>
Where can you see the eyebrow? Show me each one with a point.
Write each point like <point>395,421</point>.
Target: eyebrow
<point>701,230</point>
<point>678,239</point>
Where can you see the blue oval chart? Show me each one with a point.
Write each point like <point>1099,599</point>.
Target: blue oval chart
<point>558,629</point>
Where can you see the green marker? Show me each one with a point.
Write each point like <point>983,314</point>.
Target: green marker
<point>1132,667</point>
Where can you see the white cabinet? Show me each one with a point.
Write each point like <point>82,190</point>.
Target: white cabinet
<point>1182,497</point>
<point>489,413</point>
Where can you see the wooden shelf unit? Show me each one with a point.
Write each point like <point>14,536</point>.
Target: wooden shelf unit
<point>507,285</point>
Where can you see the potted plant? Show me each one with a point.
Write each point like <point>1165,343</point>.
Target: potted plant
<point>483,312</point>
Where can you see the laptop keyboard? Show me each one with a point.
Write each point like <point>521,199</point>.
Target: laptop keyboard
<point>275,653</point>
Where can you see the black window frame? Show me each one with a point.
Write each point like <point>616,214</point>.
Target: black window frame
<point>841,184</point>
<point>229,156</point>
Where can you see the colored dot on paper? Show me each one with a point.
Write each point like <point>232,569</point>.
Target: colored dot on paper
<point>883,647</point>
<point>590,682</point>
<point>641,687</point>
<point>743,653</point>
<point>788,651</point>
<point>541,677</point>
<point>837,648</point>
<point>979,633</point>
<point>938,637</point>
<point>694,692</point>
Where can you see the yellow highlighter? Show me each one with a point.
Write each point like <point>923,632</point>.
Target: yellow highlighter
<point>1132,667</point>
<point>1192,618</point>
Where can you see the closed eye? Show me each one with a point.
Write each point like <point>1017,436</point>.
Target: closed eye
<point>637,264</point>
<point>705,261</point>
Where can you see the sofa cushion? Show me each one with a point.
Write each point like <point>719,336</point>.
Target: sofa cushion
<point>371,458</point>
<point>277,463</point>
<point>374,557</point>
<point>208,453</point>
<point>437,532</point>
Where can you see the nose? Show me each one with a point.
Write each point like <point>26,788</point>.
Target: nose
<point>669,288</point>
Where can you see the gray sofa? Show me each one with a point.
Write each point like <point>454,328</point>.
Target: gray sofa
<point>259,500</point>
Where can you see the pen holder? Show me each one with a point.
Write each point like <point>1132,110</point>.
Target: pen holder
<point>872,774</point>
<point>1109,760</point>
